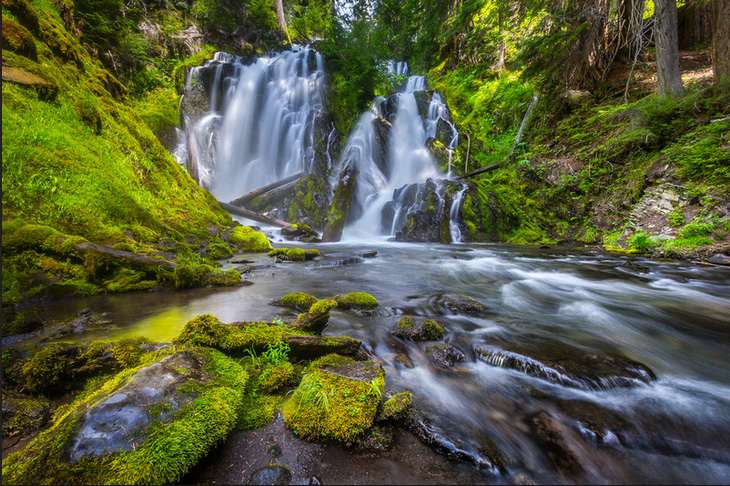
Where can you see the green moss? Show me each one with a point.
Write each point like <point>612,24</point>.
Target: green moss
<point>432,330</point>
<point>275,376</point>
<point>299,300</point>
<point>258,410</point>
<point>18,39</point>
<point>217,251</point>
<point>356,300</point>
<point>295,255</point>
<point>279,252</point>
<point>22,414</point>
<point>246,238</point>
<point>311,254</point>
<point>169,450</point>
<point>207,330</point>
<point>316,319</point>
<point>397,406</point>
<point>326,406</point>
<point>405,327</point>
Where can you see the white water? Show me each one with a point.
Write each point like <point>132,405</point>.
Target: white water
<point>264,130</point>
<point>410,161</point>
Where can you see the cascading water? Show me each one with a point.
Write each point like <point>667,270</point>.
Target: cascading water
<point>409,161</point>
<point>454,229</point>
<point>259,126</point>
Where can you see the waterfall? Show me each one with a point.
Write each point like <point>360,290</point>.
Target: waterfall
<point>454,229</point>
<point>259,125</point>
<point>409,162</point>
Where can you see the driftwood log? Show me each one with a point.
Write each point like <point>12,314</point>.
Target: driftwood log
<point>247,213</point>
<point>263,190</point>
<point>128,256</point>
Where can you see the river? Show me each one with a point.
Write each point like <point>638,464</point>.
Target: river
<point>527,384</point>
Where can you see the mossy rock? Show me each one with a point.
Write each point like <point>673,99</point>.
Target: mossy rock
<point>275,376</point>
<point>147,425</point>
<point>336,400</point>
<point>357,301</point>
<point>294,254</point>
<point>206,330</point>
<point>458,304</point>
<point>18,39</point>
<point>246,238</point>
<point>299,300</point>
<point>317,318</point>
<point>24,414</point>
<point>428,330</point>
<point>396,407</point>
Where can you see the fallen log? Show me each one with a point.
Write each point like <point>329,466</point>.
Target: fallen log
<point>310,347</point>
<point>86,247</point>
<point>480,171</point>
<point>263,190</point>
<point>246,213</point>
<point>274,196</point>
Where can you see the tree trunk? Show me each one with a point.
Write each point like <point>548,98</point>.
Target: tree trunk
<point>241,201</point>
<point>667,48</point>
<point>280,18</point>
<point>253,215</point>
<point>721,41</point>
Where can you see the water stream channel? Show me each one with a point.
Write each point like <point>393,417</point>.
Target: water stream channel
<point>556,374</point>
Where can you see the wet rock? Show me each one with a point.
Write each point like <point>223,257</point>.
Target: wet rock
<point>243,268</point>
<point>377,439</point>
<point>246,261</point>
<point>561,363</point>
<point>483,455</point>
<point>595,422</point>
<point>337,399</point>
<point>151,415</point>
<point>719,259</point>
<point>317,318</point>
<point>444,355</point>
<point>451,303</point>
<point>360,302</point>
<point>421,210</point>
<point>271,475</point>
<point>396,407</point>
<point>22,414</point>
<point>368,253</point>
<point>425,330</point>
<point>552,434</point>
<point>340,204</point>
<point>298,232</point>
<point>338,260</point>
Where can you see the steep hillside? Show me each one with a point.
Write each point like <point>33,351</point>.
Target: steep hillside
<point>82,165</point>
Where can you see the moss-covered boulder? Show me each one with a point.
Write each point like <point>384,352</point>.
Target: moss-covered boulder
<point>147,425</point>
<point>357,301</point>
<point>239,338</point>
<point>317,318</point>
<point>428,330</point>
<point>245,238</point>
<point>300,232</point>
<point>396,407</point>
<point>18,39</point>
<point>336,400</point>
<point>294,254</point>
<point>298,300</point>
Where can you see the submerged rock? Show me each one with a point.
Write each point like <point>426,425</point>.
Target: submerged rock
<point>147,425</point>
<point>271,475</point>
<point>451,303</point>
<point>561,363</point>
<point>444,355</point>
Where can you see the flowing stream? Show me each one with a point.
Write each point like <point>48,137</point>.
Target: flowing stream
<point>526,384</point>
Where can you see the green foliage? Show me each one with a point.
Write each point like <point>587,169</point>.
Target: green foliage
<point>277,353</point>
<point>311,19</point>
<point>641,242</point>
<point>676,217</point>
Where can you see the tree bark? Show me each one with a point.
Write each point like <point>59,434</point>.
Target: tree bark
<point>667,48</point>
<point>721,41</point>
<point>280,18</point>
